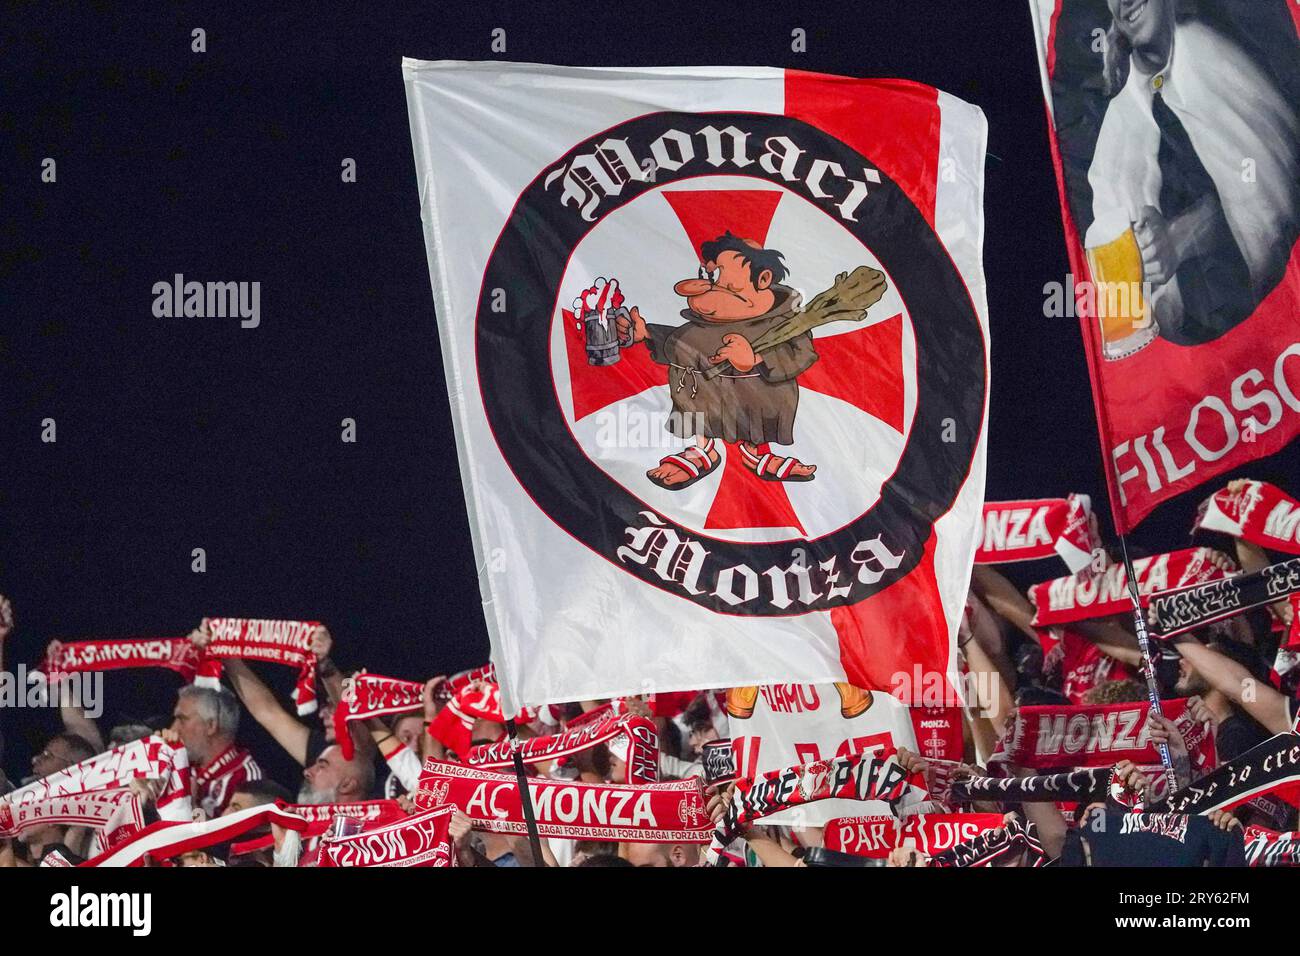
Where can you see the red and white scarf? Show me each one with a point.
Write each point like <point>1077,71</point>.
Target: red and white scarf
<point>369,695</point>
<point>1257,512</point>
<point>1040,528</point>
<point>419,840</point>
<point>861,776</point>
<point>642,752</point>
<point>1050,737</point>
<point>90,809</point>
<point>108,654</point>
<point>149,758</point>
<point>272,642</point>
<point>652,813</point>
<point>990,845</point>
<point>164,840</point>
<point>1082,596</point>
<point>477,699</point>
<point>1266,847</point>
<point>320,815</point>
<point>875,836</point>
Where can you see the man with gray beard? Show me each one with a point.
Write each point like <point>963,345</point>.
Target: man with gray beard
<point>331,779</point>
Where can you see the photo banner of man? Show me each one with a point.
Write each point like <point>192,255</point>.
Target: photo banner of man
<point>716,345</point>
<point>1175,139</point>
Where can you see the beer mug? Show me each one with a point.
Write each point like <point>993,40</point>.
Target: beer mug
<point>603,338</point>
<point>1121,309</point>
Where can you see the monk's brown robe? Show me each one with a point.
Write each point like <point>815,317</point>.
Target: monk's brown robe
<point>757,406</point>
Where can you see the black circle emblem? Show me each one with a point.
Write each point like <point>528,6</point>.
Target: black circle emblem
<point>848,565</point>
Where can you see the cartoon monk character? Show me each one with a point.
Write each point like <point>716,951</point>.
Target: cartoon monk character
<point>733,365</point>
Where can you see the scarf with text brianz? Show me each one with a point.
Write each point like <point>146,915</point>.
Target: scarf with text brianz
<point>860,776</point>
<point>1256,512</point>
<point>91,809</point>
<point>370,695</point>
<point>421,839</point>
<point>150,758</point>
<point>642,757</point>
<point>272,642</point>
<point>1082,596</point>
<point>650,813</point>
<point>1175,612</point>
<point>107,654</point>
<point>1026,530</point>
<point>1046,737</point>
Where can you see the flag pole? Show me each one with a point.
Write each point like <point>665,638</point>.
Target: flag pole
<point>525,796</point>
<point>1148,665</point>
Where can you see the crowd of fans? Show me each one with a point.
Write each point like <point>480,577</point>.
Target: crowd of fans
<point>1224,671</point>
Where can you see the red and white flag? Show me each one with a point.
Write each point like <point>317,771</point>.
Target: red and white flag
<point>716,344</point>
<point>1026,530</point>
<point>1174,136</point>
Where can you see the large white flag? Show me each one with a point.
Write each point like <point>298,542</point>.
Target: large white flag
<point>716,345</point>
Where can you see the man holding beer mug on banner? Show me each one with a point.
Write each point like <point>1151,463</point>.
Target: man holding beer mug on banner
<point>1194,181</point>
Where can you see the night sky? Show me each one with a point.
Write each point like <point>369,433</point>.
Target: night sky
<point>182,433</point>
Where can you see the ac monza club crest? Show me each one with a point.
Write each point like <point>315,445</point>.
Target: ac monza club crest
<point>766,376</point>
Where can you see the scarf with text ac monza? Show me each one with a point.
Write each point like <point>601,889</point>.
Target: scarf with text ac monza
<point>860,776</point>
<point>1266,847</point>
<point>417,840</point>
<point>660,511</point>
<point>1176,612</point>
<point>670,812</point>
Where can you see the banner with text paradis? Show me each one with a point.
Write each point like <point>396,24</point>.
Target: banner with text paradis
<point>779,274</point>
<point>1174,137</point>
<point>785,725</point>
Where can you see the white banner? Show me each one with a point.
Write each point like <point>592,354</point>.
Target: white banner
<point>716,346</point>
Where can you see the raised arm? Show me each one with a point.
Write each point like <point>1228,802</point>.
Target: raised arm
<point>1235,682</point>
<point>1003,598</point>
<point>74,717</point>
